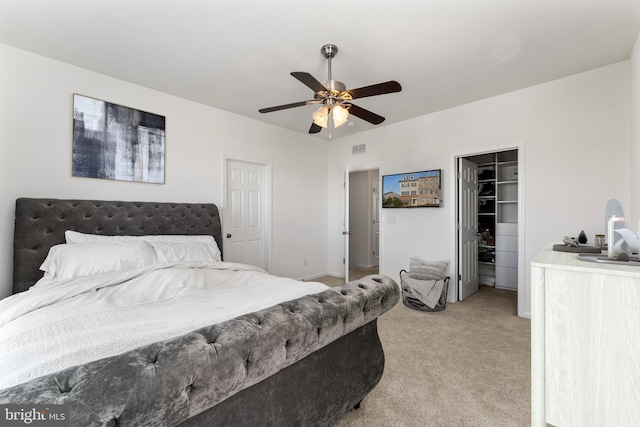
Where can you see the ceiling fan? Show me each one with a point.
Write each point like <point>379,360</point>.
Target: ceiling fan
<point>335,99</point>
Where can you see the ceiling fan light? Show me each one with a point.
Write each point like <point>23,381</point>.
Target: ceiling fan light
<point>340,115</point>
<point>321,116</point>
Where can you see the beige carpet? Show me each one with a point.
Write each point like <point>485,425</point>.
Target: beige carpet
<point>468,365</point>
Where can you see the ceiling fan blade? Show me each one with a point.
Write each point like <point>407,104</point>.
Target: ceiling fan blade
<point>377,89</point>
<point>285,106</point>
<point>366,115</point>
<point>314,128</point>
<point>309,80</point>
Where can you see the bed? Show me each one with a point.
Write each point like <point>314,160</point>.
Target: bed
<point>299,362</point>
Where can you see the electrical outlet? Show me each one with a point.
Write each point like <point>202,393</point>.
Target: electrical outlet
<point>305,262</point>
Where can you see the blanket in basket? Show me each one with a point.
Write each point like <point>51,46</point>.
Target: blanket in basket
<point>427,291</point>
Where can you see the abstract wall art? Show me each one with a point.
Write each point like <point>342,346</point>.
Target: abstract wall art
<point>111,141</point>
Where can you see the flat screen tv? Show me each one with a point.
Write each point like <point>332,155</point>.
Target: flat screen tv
<point>412,190</point>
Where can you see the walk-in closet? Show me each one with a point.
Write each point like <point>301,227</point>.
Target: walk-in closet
<point>488,191</point>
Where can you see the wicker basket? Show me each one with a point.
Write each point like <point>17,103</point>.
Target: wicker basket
<point>411,301</point>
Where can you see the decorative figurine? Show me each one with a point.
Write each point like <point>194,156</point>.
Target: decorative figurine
<point>582,238</point>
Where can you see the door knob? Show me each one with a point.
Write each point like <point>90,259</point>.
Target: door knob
<point>350,233</point>
<point>228,236</point>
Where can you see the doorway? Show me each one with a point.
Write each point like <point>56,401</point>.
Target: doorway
<point>364,223</point>
<point>489,217</point>
<point>247,223</point>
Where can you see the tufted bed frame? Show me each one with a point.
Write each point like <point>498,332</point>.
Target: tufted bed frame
<point>305,362</point>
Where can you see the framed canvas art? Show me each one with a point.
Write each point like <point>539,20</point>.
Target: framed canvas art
<point>111,141</point>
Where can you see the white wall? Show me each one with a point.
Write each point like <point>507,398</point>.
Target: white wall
<point>576,134</point>
<point>35,156</point>
<point>635,136</point>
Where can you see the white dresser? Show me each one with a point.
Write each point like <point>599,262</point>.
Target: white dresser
<point>507,255</point>
<point>585,342</point>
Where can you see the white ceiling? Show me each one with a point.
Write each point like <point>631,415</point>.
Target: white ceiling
<point>236,55</point>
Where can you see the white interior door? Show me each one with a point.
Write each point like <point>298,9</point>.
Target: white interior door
<point>468,228</point>
<point>375,223</point>
<point>246,214</point>
<point>345,224</point>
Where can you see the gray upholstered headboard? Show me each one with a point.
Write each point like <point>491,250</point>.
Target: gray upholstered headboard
<point>41,223</point>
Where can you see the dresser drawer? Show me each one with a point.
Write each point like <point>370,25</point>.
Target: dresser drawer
<point>507,243</point>
<point>507,278</point>
<point>507,229</point>
<point>506,259</point>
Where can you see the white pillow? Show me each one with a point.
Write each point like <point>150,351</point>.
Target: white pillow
<point>84,259</point>
<point>184,251</point>
<point>75,237</point>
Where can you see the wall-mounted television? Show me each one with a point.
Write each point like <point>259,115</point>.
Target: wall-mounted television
<point>412,189</point>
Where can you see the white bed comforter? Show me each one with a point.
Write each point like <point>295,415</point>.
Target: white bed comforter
<point>55,325</point>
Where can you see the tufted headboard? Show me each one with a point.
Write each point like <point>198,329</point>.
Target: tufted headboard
<point>41,223</point>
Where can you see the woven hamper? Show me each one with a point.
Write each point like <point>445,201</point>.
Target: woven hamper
<point>411,301</point>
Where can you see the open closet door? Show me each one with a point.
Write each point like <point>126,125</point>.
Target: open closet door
<point>467,228</point>
<point>375,226</point>
<point>345,225</point>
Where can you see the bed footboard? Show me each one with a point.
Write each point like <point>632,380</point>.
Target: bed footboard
<point>316,391</point>
<point>169,382</point>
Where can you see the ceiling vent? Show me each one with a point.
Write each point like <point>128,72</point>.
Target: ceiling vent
<point>359,149</point>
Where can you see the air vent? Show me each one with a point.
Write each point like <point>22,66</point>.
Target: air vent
<point>359,149</point>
